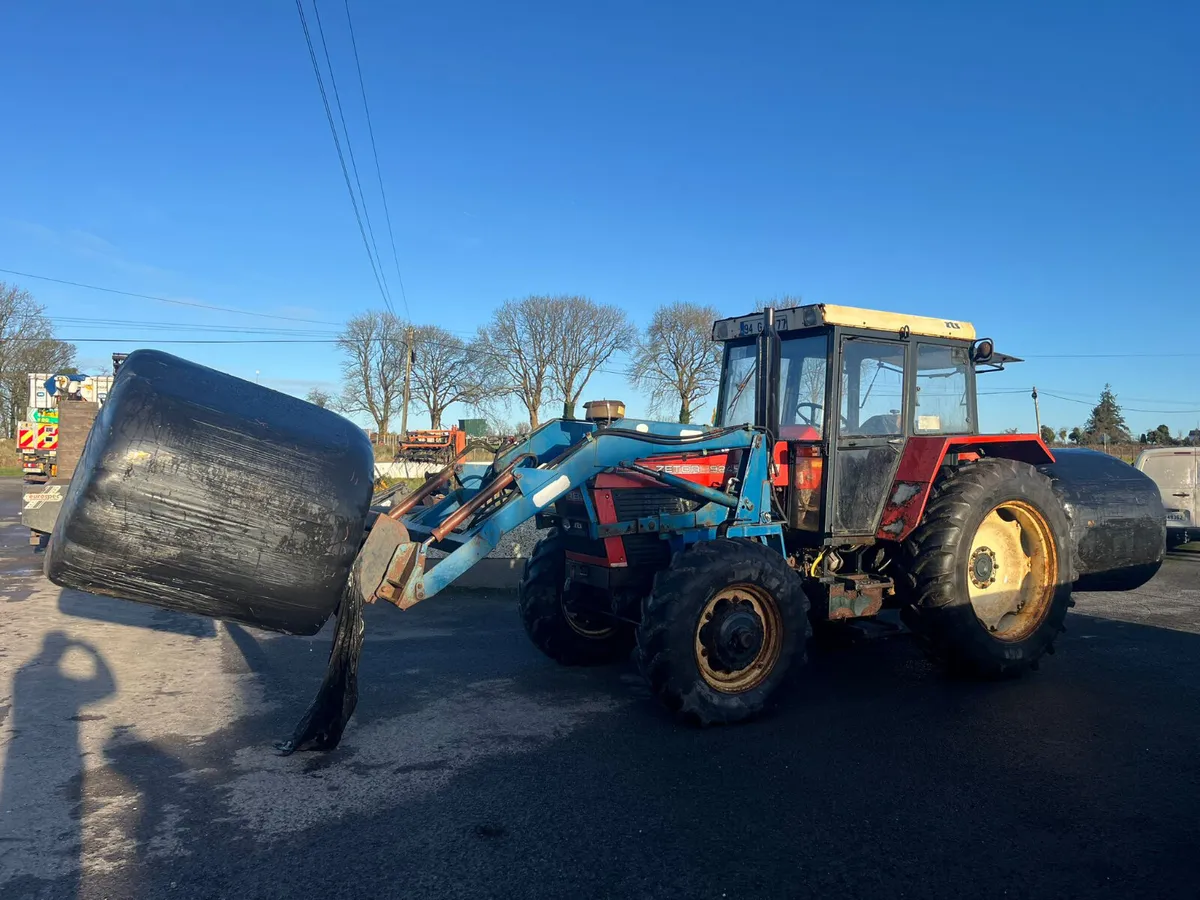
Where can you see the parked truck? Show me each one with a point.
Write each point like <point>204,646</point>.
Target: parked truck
<point>61,409</point>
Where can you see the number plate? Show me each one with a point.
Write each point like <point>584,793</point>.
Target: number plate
<point>1177,517</point>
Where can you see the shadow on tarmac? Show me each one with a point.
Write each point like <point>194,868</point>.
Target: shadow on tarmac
<point>877,775</point>
<point>138,615</point>
<point>48,702</point>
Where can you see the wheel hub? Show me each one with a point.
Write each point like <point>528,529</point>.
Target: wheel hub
<point>983,567</point>
<point>733,636</point>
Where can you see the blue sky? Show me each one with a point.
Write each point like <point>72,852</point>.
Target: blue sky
<point>1031,167</point>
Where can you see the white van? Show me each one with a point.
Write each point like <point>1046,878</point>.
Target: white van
<point>1176,471</point>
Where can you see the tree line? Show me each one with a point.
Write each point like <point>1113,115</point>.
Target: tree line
<point>27,344</point>
<point>538,352</point>
<point>1106,424</point>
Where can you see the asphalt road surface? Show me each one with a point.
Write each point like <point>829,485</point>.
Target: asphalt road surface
<point>136,761</point>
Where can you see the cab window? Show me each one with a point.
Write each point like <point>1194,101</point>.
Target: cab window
<point>737,384</point>
<point>942,405</point>
<point>802,367</point>
<point>872,388</point>
<point>802,376</point>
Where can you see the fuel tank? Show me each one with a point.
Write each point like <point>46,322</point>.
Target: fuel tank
<point>1118,522</point>
<point>204,493</point>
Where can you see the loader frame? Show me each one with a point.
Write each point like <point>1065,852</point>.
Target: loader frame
<point>561,456</point>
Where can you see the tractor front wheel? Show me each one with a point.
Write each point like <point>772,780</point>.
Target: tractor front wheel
<point>557,621</point>
<point>719,632</point>
<point>988,569</point>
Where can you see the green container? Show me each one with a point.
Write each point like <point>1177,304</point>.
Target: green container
<point>473,427</point>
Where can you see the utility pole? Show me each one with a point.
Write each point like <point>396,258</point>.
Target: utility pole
<point>1037,414</point>
<point>408,361</point>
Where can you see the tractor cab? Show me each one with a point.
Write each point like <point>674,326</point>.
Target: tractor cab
<point>853,388</point>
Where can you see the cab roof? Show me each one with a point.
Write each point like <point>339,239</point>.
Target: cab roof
<point>798,318</point>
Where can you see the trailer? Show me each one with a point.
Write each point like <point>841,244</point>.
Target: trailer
<point>432,445</point>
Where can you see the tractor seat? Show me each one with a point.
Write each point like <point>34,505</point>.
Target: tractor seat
<point>880,425</point>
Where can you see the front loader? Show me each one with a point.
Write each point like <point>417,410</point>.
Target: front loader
<point>844,474</point>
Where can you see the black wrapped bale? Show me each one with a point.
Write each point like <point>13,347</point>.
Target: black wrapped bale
<point>1118,522</point>
<point>205,493</point>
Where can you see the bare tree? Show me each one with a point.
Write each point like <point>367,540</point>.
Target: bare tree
<point>585,335</point>
<point>784,301</point>
<point>676,359</point>
<point>318,397</point>
<point>520,345</point>
<point>372,345</point>
<point>27,344</point>
<point>446,369</point>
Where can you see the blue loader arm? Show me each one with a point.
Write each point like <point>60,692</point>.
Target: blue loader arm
<point>558,457</point>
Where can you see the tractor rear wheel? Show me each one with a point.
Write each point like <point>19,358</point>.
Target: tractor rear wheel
<point>988,569</point>
<point>720,630</point>
<point>557,622</point>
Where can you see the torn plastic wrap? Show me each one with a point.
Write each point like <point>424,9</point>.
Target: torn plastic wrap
<point>204,493</point>
<point>1118,522</point>
<point>322,726</point>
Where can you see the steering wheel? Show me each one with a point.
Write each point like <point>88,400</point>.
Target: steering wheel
<point>815,418</point>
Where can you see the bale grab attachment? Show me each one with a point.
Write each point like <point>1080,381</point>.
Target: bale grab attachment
<point>394,562</point>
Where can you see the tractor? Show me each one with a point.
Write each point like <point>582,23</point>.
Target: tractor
<point>844,474</point>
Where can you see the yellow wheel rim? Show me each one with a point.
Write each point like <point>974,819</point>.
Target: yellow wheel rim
<point>738,638</point>
<point>1012,570</point>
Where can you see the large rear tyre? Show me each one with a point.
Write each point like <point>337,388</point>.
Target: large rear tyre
<point>557,622</point>
<point>721,629</point>
<point>988,569</point>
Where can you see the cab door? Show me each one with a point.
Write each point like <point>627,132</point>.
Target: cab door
<point>869,424</point>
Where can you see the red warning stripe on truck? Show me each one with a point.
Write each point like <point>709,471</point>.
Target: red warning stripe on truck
<point>37,437</point>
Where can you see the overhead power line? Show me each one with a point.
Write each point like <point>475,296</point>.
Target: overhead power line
<point>1163,412</point>
<point>362,198</point>
<point>337,143</point>
<point>1091,398</point>
<point>329,341</point>
<point>375,152</point>
<point>84,322</point>
<point>1111,355</point>
<point>226,309</point>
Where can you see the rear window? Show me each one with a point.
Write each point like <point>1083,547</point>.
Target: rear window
<point>1171,469</point>
<point>942,388</point>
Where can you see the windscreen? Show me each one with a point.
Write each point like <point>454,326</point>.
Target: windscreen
<point>802,377</point>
